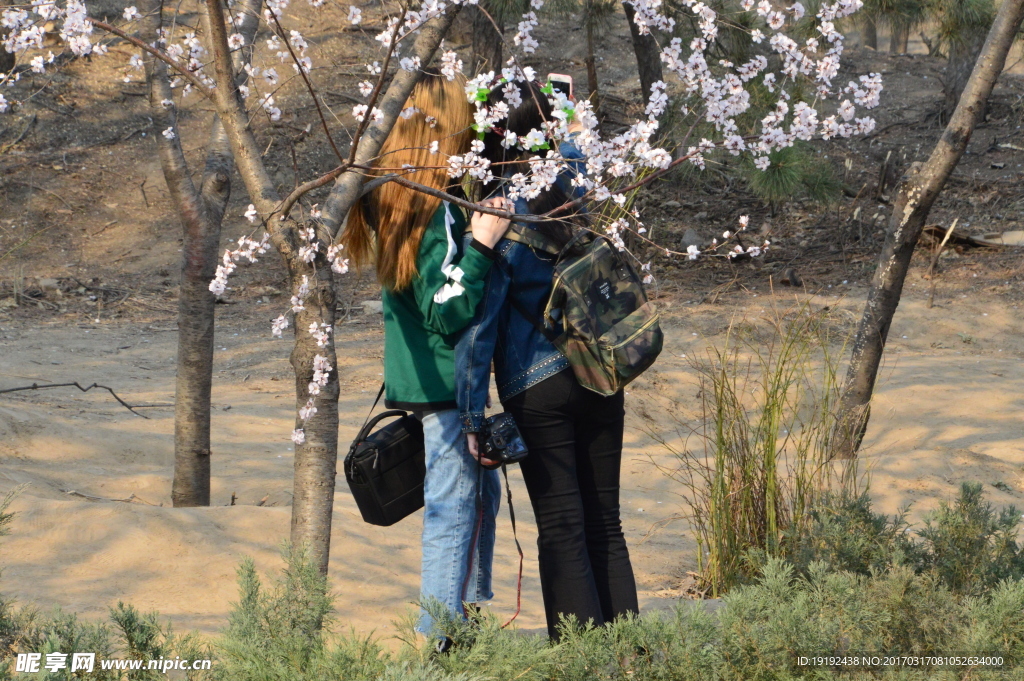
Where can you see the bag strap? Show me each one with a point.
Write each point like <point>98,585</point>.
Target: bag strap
<point>512,517</point>
<point>380,393</point>
<point>532,238</point>
<point>528,237</point>
<point>571,242</point>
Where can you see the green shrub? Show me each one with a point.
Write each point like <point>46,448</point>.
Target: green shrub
<point>795,172</point>
<point>768,400</point>
<point>847,535</point>
<point>969,546</point>
<point>273,633</point>
<point>62,632</point>
<point>142,638</point>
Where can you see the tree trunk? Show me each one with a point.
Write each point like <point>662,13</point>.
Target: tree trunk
<point>194,379</point>
<point>962,57</point>
<point>917,193</point>
<point>899,38</point>
<point>592,86</point>
<point>191,485</point>
<point>316,458</point>
<point>6,58</point>
<point>869,32</point>
<point>648,56</point>
<point>201,212</point>
<point>486,39</point>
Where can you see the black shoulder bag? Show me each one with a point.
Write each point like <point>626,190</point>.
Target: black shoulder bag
<point>385,469</point>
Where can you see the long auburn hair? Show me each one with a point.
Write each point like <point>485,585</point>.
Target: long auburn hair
<point>388,225</point>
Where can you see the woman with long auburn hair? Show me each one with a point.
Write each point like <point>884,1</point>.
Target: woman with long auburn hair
<point>432,283</point>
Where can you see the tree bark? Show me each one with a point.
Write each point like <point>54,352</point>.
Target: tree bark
<point>317,457</point>
<point>593,93</point>
<point>962,56</point>
<point>648,56</point>
<point>899,38</point>
<point>316,460</point>
<point>201,212</point>
<point>917,193</point>
<point>486,39</point>
<point>869,32</point>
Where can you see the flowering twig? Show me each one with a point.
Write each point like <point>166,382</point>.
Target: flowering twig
<point>183,72</point>
<point>305,79</point>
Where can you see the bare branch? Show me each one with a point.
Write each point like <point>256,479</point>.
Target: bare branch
<point>216,184</point>
<point>243,143</point>
<point>307,187</point>
<point>172,158</point>
<point>183,72</point>
<point>309,87</point>
<point>375,93</point>
<point>76,384</point>
<point>346,189</point>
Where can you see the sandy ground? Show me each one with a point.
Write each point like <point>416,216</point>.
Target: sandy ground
<point>947,410</point>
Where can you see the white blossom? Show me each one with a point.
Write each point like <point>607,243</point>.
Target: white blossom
<point>450,64</point>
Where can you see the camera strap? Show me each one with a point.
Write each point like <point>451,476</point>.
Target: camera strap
<point>512,516</point>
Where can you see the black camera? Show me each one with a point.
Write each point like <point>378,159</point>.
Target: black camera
<point>500,440</point>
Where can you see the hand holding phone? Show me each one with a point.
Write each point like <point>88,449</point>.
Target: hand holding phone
<point>562,83</point>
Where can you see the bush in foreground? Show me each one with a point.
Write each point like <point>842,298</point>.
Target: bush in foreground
<point>855,584</point>
<point>759,632</point>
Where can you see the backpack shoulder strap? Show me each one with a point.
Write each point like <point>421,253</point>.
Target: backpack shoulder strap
<point>527,237</point>
<point>532,238</point>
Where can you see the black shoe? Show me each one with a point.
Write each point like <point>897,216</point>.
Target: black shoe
<point>444,646</point>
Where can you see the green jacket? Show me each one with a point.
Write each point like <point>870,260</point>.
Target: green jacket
<point>422,321</point>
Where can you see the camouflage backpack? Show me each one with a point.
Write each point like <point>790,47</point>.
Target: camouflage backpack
<point>611,331</point>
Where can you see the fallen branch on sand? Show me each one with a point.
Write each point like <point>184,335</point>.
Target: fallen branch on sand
<point>129,500</point>
<point>76,384</point>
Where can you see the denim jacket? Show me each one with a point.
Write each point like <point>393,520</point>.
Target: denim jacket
<point>522,356</point>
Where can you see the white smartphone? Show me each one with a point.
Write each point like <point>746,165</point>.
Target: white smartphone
<point>561,83</point>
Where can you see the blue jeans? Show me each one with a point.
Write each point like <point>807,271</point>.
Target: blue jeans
<point>458,529</point>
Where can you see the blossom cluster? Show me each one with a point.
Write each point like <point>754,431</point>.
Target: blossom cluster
<point>248,249</point>
<point>321,375</point>
<point>706,88</point>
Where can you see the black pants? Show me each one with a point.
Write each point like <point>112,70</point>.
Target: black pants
<point>572,474</point>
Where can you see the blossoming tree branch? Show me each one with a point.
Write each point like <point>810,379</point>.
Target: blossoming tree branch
<point>219,62</point>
